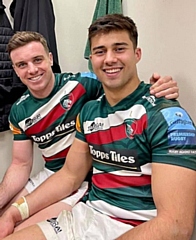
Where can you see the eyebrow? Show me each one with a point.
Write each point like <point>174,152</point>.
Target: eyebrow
<point>115,44</point>
<point>38,56</point>
<point>18,63</point>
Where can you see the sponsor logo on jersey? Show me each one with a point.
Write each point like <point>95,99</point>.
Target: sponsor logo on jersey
<point>182,137</point>
<point>182,151</point>
<point>22,99</point>
<point>31,121</point>
<point>180,122</point>
<point>95,126</point>
<point>177,118</point>
<point>31,182</point>
<point>66,101</point>
<point>58,130</point>
<point>55,224</point>
<point>181,130</point>
<point>179,114</point>
<point>70,76</point>
<point>124,158</point>
<point>151,99</point>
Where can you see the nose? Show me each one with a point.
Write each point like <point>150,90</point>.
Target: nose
<point>32,68</point>
<point>110,57</point>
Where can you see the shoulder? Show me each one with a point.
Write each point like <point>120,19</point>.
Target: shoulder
<point>177,118</point>
<point>168,111</point>
<point>87,79</point>
<point>92,104</point>
<point>154,104</point>
<point>75,76</point>
<point>22,100</point>
<point>91,107</point>
<point>18,109</point>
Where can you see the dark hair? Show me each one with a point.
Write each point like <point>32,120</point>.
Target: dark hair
<point>114,22</point>
<point>22,38</point>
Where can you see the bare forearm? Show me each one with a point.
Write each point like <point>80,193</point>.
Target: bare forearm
<point>65,181</point>
<point>51,191</point>
<point>158,229</point>
<point>47,193</point>
<point>59,185</point>
<point>13,181</point>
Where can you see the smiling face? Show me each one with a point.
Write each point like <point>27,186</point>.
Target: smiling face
<point>33,64</point>
<point>114,60</point>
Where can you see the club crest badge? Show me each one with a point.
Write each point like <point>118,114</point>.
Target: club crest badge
<point>66,101</point>
<point>131,127</point>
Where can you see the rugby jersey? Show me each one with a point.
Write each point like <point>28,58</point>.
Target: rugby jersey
<point>124,141</point>
<point>50,122</point>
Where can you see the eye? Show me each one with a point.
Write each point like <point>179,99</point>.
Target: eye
<point>38,60</point>
<point>21,65</point>
<point>120,49</point>
<point>99,52</point>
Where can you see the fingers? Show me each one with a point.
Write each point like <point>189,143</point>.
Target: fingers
<point>170,93</point>
<point>165,87</point>
<point>165,79</point>
<point>154,78</point>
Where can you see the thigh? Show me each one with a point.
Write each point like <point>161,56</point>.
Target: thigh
<point>91,224</point>
<point>50,212</point>
<point>82,223</point>
<point>30,233</point>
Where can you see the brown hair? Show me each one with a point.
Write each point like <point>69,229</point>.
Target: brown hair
<point>22,38</point>
<point>114,22</point>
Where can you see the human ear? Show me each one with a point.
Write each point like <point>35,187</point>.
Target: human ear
<point>51,58</point>
<point>138,54</point>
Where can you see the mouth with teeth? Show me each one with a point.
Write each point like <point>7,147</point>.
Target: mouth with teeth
<point>36,78</point>
<point>113,70</point>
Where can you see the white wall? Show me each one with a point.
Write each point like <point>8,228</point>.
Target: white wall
<point>167,33</point>
<point>167,36</point>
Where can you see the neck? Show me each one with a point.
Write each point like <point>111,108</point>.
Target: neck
<point>114,96</point>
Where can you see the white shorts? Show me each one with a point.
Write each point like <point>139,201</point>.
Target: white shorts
<point>36,180</point>
<point>82,223</point>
